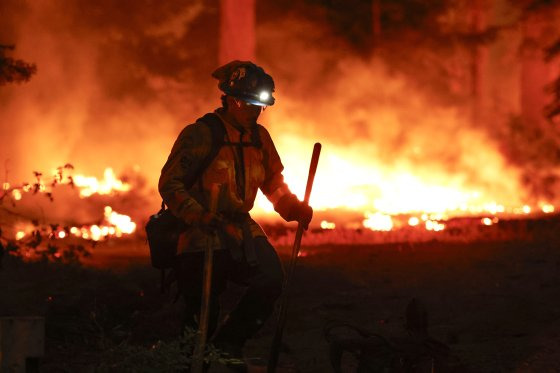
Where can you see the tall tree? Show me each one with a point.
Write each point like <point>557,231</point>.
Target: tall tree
<point>540,46</point>
<point>478,58</point>
<point>534,69</point>
<point>552,110</point>
<point>376,22</point>
<point>237,30</point>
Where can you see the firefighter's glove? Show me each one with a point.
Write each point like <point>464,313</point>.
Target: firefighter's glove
<point>292,209</point>
<point>303,213</point>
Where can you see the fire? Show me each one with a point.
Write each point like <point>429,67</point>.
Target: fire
<point>348,179</point>
<point>122,223</point>
<point>547,208</point>
<point>390,150</point>
<point>327,225</point>
<point>378,221</point>
<point>433,225</point>
<point>113,225</point>
<point>89,185</point>
<point>413,221</point>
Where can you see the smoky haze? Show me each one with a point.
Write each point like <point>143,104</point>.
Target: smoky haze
<point>117,81</point>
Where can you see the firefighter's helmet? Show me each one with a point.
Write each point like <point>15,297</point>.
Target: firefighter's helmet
<point>246,81</point>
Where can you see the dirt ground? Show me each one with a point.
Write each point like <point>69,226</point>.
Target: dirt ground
<point>496,305</point>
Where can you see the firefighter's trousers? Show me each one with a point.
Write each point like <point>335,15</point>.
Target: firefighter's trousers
<point>263,283</point>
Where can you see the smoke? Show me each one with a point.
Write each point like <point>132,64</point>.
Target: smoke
<point>375,117</point>
<point>117,81</point>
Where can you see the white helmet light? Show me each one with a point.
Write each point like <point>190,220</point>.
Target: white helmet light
<point>264,96</point>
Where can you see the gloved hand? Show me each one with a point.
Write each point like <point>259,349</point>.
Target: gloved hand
<point>292,209</point>
<point>302,213</point>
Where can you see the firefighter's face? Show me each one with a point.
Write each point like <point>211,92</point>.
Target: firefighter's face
<point>244,113</point>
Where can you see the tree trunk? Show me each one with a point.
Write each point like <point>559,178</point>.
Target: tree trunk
<point>535,74</point>
<point>376,22</point>
<point>478,60</point>
<point>237,30</point>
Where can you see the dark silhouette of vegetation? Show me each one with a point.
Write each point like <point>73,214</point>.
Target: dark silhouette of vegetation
<point>42,243</point>
<point>13,70</point>
<point>552,110</point>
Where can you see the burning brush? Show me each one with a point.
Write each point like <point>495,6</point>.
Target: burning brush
<point>25,235</point>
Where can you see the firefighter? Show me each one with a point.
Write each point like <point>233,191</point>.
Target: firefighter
<point>242,162</point>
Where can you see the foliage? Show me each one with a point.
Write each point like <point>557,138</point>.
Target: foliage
<point>162,356</point>
<point>41,243</point>
<point>13,70</point>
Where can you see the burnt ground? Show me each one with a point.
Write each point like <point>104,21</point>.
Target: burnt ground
<point>496,305</point>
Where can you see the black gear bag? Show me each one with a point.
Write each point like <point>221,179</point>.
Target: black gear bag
<point>163,230</point>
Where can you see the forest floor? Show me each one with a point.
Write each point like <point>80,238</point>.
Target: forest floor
<point>495,304</point>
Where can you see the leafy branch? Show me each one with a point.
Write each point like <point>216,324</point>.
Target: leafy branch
<point>161,356</point>
<point>13,70</point>
<point>43,242</point>
<point>14,193</point>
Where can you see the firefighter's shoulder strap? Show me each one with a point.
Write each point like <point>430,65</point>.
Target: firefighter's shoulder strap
<point>218,134</point>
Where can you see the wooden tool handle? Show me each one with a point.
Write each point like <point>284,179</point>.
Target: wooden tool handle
<point>282,313</point>
<point>198,355</point>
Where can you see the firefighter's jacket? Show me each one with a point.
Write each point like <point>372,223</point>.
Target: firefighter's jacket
<point>238,171</point>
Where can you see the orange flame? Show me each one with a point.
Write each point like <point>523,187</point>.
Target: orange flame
<point>90,185</point>
<point>327,225</point>
<point>114,225</point>
<point>351,181</point>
